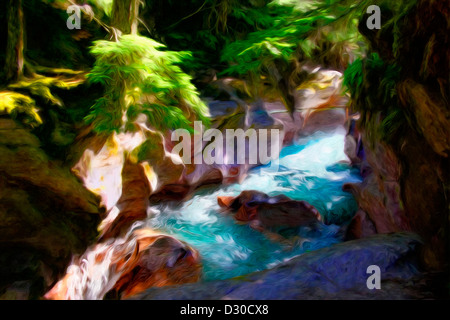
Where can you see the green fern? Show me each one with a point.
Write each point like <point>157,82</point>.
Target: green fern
<point>140,77</point>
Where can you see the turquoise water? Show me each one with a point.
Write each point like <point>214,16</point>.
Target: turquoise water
<point>312,170</point>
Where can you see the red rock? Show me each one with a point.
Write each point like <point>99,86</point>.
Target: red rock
<point>225,201</point>
<point>133,203</point>
<point>158,261</point>
<point>266,212</point>
<point>144,259</point>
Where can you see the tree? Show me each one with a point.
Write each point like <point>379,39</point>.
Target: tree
<point>270,58</point>
<point>15,41</point>
<point>140,77</point>
<point>125,15</point>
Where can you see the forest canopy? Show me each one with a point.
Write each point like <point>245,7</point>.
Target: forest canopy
<point>158,57</point>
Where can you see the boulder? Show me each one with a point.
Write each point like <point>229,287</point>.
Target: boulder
<point>268,213</point>
<point>336,272</point>
<point>160,260</point>
<point>127,266</point>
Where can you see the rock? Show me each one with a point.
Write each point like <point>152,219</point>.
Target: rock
<point>160,261</point>
<point>379,194</point>
<point>171,192</point>
<point>336,272</point>
<point>425,198</point>
<point>46,214</point>
<point>142,259</point>
<point>168,167</point>
<point>222,108</point>
<point>214,176</point>
<point>133,203</point>
<point>125,171</point>
<point>402,191</point>
<point>319,106</point>
<point>266,213</point>
<point>242,116</point>
<point>353,141</point>
<point>407,184</point>
<point>19,290</point>
<point>350,148</point>
<point>360,227</point>
<point>100,168</point>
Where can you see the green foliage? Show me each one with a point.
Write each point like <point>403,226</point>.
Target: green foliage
<point>324,32</point>
<point>256,52</point>
<point>20,107</point>
<point>140,77</point>
<point>372,81</point>
<point>360,78</point>
<point>104,5</point>
<point>297,34</point>
<point>204,27</point>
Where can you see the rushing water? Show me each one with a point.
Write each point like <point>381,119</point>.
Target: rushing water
<point>313,169</point>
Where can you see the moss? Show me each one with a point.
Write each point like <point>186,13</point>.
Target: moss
<point>19,106</point>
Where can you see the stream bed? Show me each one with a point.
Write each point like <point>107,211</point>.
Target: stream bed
<point>313,169</point>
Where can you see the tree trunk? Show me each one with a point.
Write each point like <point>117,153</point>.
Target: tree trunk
<point>125,14</point>
<point>15,41</point>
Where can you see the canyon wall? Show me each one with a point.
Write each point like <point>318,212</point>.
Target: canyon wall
<point>406,136</point>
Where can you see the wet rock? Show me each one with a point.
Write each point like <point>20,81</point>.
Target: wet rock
<point>140,260</point>
<point>160,261</point>
<point>337,272</point>
<point>265,213</point>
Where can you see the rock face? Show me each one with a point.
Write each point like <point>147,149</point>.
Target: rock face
<point>133,203</point>
<point>45,214</point>
<point>406,185</point>
<point>379,194</point>
<point>337,272</point>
